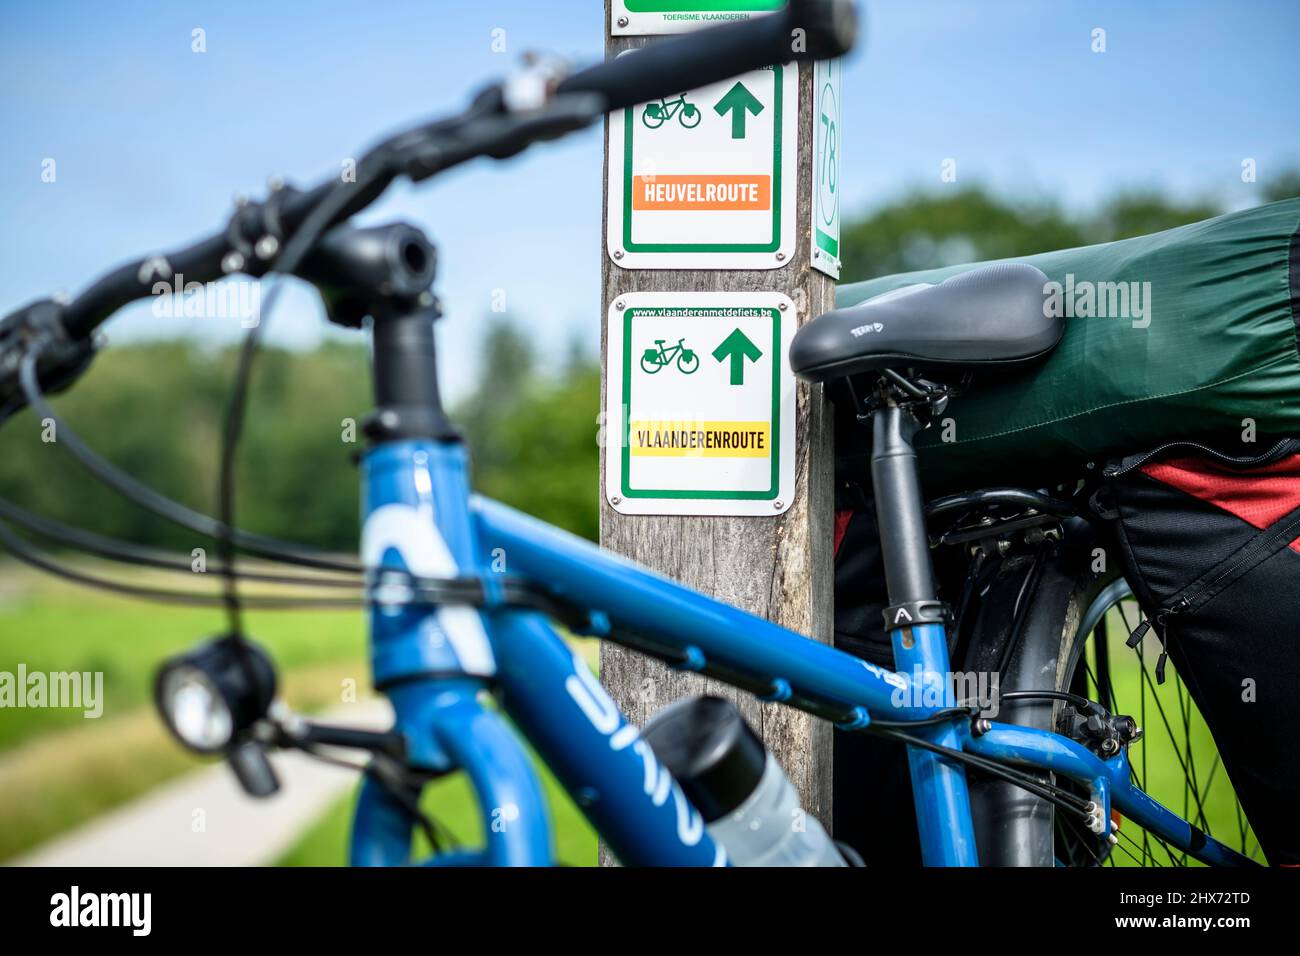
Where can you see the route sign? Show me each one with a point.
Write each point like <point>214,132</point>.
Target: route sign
<point>705,179</point>
<point>700,407</point>
<point>641,17</point>
<point>826,168</point>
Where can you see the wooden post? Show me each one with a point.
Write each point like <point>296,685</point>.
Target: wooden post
<point>777,567</point>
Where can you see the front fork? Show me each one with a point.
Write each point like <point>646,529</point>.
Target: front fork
<point>435,663</point>
<point>473,739</point>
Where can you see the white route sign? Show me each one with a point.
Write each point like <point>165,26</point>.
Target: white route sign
<point>641,17</point>
<point>700,412</point>
<point>826,168</point>
<point>706,179</point>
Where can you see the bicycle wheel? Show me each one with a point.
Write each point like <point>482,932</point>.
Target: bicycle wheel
<point>1175,762</point>
<point>652,116</point>
<point>650,363</point>
<point>688,362</point>
<point>689,117</point>
<point>1046,621</point>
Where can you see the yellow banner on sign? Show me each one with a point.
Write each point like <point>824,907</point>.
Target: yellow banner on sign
<point>667,439</point>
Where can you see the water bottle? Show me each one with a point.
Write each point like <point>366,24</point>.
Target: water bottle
<point>748,804</point>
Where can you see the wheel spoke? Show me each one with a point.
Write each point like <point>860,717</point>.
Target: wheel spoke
<point>1201,785</point>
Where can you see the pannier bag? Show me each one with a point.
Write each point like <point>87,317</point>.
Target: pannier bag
<point>1181,334</point>
<point>1210,543</point>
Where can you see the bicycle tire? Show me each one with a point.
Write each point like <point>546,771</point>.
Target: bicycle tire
<point>1053,588</point>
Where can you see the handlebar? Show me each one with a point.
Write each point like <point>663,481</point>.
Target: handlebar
<point>804,30</point>
<point>491,126</point>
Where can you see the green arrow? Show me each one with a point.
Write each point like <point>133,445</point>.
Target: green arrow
<point>738,100</point>
<point>738,347</point>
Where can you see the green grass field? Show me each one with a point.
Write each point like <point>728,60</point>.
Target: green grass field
<point>49,625</point>
<point>59,769</point>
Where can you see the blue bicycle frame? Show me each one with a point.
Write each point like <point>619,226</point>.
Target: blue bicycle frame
<point>436,663</point>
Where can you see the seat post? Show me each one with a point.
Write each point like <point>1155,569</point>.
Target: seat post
<point>915,622</point>
<point>900,513</point>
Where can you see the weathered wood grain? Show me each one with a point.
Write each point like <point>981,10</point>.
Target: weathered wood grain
<point>778,567</point>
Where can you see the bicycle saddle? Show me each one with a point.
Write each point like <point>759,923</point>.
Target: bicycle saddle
<point>991,315</point>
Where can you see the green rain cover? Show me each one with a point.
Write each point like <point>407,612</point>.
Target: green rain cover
<point>1192,333</point>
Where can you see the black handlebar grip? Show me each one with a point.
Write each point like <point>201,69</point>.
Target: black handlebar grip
<point>805,30</point>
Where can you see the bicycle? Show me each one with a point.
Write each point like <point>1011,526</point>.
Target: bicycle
<point>656,114</point>
<point>652,360</point>
<point>445,627</point>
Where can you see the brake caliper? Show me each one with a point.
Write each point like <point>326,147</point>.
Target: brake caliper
<point>1103,733</point>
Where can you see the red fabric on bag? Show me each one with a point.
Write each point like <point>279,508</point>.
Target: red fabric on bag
<point>842,519</point>
<point>1259,496</point>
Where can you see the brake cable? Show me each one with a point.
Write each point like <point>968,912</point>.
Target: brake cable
<point>290,257</point>
<point>32,556</point>
<point>512,593</point>
<point>159,504</point>
<point>129,552</point>
<point>1052,793</point>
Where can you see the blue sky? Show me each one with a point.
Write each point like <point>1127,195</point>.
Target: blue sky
<point>152,141</point>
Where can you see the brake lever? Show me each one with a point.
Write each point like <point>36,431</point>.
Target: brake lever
<point>491,129</point>
<point>38,329</point>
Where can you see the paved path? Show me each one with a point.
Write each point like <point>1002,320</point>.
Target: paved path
<point>162,828</point>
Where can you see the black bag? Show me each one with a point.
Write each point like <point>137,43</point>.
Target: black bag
<point>1210,543</point>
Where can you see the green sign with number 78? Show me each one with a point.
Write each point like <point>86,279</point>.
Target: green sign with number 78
<point>826,168</point>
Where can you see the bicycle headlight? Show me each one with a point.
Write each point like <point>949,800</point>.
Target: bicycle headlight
<point>209,696</point>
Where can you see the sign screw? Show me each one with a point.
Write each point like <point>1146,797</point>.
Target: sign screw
<point>616,500</point>
<point>620,305</point>
<point>780,257</point>
<point>777,504</point>
<point>622,21</point>
<point>783,307</point>
<point>618,253</point>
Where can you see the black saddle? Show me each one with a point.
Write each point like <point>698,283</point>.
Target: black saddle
<point>991,315</point>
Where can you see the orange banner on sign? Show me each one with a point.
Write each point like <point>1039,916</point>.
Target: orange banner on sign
<point>702,192</point>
